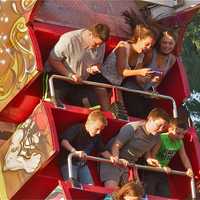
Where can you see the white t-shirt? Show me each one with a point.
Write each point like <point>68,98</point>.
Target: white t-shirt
<point>71,50</point>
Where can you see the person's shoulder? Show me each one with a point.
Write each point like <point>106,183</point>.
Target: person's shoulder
<point>72,131</point>
<point>123,43</point>
<point>136,124</point>
<point>125,130</point>
<point>77,126</point>
<point>164,136</point>
<point>101,48</point>
<point>172,59</point>
<point>80,125</point>
<point>131,127</point>
<point>148,57</point>
<point>72,35</point>
<point>73,32</point>
<point>121,48</point>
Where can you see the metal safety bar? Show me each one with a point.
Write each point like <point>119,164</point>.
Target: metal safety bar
<point>132,165</point>
<point>152,94</point>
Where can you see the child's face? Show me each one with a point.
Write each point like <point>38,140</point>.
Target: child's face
<point>176,132</point>
<point>167,44</point>
<point>95,128</point>
<point>156,126</point>
<point>95,42</point>
<point>145,44</point>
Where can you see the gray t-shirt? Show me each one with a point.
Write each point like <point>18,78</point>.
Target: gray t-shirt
<point>71,50</point>
<point>135,140</point>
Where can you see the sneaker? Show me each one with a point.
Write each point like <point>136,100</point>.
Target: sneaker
<point>119,110</point>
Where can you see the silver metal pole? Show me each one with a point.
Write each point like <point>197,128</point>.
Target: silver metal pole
<point>52,91</point>
<point>193,188</point>
<point>69,161</point>
<point>144,167</point>
<point>152,94</point>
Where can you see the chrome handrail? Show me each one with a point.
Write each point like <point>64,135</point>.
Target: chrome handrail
<point>152,94</point>
<point>137,166</point>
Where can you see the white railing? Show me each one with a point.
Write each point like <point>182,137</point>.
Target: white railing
<point>149,94</point>
<point>132,165</point>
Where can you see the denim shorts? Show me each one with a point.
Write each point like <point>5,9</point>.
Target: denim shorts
<point>80,172</point>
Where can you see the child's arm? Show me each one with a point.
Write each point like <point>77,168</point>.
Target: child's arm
<point>108,155</point>
<point>185,160</point>
<point>151,156</point>
<point>65,143</point>
<point>155,150</point>
<point>115,152</point>
<point>122,63</point>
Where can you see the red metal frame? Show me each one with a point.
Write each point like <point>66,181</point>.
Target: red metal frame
<point>45,180</point>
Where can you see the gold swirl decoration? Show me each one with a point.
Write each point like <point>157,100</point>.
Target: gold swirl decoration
<point>16,35</point>
<point>17,59</point>
<point>27,4</point>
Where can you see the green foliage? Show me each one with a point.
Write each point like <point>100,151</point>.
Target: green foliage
<point>191,59</point>
<point>193,31</point>
<point>191,52</point>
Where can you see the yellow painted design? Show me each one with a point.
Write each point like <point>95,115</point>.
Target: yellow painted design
<point>13,70</point>
<point>17,36</point>
<point>3,194</point>
<point>17,59</point>
<point>28,150</point>
<point>5,92</point>
<point>27,4</point>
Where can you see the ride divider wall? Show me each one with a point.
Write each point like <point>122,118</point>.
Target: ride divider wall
<point>33,151</point>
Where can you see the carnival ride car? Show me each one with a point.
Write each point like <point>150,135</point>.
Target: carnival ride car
<point>29,29</point>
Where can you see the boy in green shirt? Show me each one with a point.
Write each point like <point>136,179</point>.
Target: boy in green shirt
<point>161,155</point>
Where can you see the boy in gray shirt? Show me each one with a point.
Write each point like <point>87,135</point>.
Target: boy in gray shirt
<point>77,54</point>
<point>133,140</point>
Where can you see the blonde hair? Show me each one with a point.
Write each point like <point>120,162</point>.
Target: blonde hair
<point>97,115</point>
<point>159,113</point>
<point>133,188</point>
<point>142,31</point>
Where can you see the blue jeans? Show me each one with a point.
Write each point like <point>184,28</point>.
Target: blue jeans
<point>79,172</point>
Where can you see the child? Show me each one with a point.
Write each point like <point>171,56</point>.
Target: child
<point>82,139</point>
<point>132,142</point>
<point>161,155</point>
<point>132,190</point>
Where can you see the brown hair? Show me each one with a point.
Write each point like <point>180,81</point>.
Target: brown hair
<point>159,113</point>
<point>166,33</point>
<point>142,31</point>
<point>132,188</point>
<point>97,115</point>
<point>179,123</point>
<point>100,30</point>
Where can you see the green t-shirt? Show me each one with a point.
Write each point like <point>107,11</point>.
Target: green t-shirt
<point>168,149</point>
